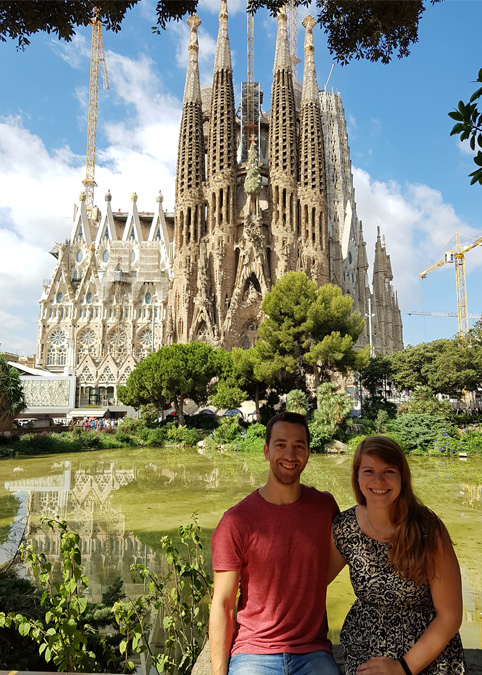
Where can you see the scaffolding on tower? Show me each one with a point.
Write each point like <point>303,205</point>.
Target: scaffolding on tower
<point>97,54</point>
<point>292,14</point>
<point>250,94</point>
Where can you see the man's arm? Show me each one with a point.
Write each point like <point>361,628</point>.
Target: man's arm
<point>222,618</point>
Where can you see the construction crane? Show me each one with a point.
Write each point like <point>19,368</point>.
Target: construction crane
<point>250,128</point>
<point>292,14</point>
<point>452,314</point>
<point>457,256</point>
<point>96,54</point>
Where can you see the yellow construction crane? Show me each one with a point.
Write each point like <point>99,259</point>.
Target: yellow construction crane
<point>457,256</point>
<point>96,54</point>
<point>450,314</point>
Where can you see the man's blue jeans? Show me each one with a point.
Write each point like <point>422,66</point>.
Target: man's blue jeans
<point>314,663</point>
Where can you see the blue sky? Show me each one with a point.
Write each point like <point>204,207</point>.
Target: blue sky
<point>410,176</point>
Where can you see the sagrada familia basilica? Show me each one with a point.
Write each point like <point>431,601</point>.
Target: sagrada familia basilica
<point>127,282</point>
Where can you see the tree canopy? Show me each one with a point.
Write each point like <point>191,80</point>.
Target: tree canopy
<point>308,330</point>
<point>367,29</point>
<point>174,372</point>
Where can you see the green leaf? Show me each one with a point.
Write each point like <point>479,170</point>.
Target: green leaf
<point>455,115</point>
<point>476,94</point>
<point>24,628</point>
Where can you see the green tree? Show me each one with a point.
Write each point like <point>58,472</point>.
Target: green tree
<point>297,402</point>
<point>308,330</point>
<point>252,374</point>
<point>355,28</point>
<point>469,127</point>
<point>174,372</point>
<point>12,399</point>
<point>424,402</point>
<point>446,366</point>
<point>329,418</point>
<point>412,366</point>
<point>228,392</point>
<point>376,376</point>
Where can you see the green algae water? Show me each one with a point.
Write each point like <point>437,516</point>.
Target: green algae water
<point>123,501</point>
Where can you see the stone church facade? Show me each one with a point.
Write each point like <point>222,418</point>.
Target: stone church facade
<point>126,283</point>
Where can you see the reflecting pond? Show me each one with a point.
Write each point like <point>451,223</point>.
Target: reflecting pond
<point>122,501</point>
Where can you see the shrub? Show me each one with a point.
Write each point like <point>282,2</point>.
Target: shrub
<point>156,437</point>
<point>91,439</point>
<point>253,440</point>
<point>371,407</point>
<point>229,429</point>
<point>471,441</point>
<point>181,434</point>
<point>124,437</point>
<point>131,425</point>
<point>418,432</point>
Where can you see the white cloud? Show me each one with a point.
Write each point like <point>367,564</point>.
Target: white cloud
<point>418,227</point>
<point>39,187</point>
<point>75,52</point>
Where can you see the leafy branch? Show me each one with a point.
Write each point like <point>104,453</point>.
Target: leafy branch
<point>469,127</point>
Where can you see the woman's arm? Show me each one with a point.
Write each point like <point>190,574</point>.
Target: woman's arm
<point>446,589</point>
<point>336,562</point>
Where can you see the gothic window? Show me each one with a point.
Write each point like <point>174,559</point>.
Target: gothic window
<point>59,297</point>
<point>107,376</point>
<point>87,343</point>
<point>79,255</point>
<point>117,343</point>
<point>148,298</point>
<point>57,350</point>
<point>145,343</point>
<point>86,376</point>
<point>89,298</point>
<point>106,256</point>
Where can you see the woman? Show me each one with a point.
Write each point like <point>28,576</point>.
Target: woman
<point>403,570</point>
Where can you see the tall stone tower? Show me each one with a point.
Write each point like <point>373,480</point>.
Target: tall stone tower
<point>127,282</point>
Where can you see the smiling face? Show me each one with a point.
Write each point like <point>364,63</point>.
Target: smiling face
<point>380,483</point>
<point>287,452</point>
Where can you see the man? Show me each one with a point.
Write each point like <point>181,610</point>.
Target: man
<point>274,545</point>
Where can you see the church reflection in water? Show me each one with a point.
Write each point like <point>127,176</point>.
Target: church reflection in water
<point>85,500</point>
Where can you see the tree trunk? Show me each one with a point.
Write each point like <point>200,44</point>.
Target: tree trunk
<point>256,401</point>
<point>180,410</point>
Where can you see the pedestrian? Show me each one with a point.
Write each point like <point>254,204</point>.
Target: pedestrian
<point>274,545</point>
<point>403,570</point>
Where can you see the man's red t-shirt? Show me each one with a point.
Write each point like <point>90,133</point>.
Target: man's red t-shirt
<point>282,552</point>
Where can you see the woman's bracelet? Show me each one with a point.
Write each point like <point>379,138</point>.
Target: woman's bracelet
<point>404,665</point>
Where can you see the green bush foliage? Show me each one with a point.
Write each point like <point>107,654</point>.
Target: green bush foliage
<point>418,433</point>
<point>229,430</point>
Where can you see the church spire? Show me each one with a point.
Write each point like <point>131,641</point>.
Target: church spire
<point>192,90</point>
<point>312,192</point>
<point>309,92</point>
<point>222,138</point>
<point>222,59</point>
<point>190,159</point>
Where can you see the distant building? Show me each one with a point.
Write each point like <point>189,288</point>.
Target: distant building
<point>128,282</point>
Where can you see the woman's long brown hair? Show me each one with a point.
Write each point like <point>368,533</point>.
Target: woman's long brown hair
<point>414,542</point>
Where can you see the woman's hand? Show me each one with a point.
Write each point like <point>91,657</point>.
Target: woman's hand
<point>380,665</point>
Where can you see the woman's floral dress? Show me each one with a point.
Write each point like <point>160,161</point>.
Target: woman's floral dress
<point>389,614</point>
